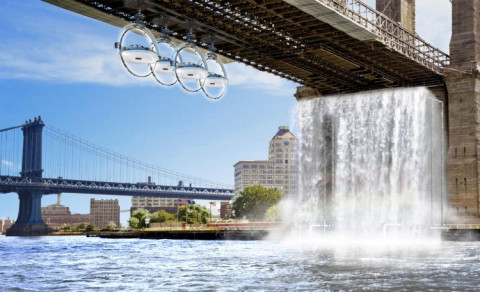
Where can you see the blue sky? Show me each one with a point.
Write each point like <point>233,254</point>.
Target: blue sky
<point>63,66</point>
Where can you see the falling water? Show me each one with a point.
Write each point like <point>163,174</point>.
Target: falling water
<point>371,163</point>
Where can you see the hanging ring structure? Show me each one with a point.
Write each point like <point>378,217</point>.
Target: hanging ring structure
<point>137,54</point>
<point>168,70</point>
<point>190,70</point>
<point>215,80</point>
<point>165,65</point>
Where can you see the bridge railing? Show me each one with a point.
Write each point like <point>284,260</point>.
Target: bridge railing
<point>391,33</point>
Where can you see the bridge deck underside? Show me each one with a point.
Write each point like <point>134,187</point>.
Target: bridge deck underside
<point>276,37</point>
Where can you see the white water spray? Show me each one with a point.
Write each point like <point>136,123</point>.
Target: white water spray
<point>371,164</point>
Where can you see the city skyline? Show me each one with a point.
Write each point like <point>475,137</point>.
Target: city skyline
<point>67,71</point>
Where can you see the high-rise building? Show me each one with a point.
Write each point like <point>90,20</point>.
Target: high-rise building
<point>103,212</point>
<point>279,171</point>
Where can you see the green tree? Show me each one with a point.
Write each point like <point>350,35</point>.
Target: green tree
<point>133,222</point>
<point>90,227</point>
<point>81,227</point>
<point>110,226</point>
<point>273,213</point>
<point>253,201</point>
<point>161,216</point>
<point>196,214</point>
<point>140,215</point>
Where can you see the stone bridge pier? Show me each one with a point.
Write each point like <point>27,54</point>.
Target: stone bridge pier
<point>463,85</point>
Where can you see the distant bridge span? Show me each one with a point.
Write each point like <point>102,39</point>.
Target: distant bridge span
<point>10,184</point>
<point>31,185</point>
<point>331,46</point>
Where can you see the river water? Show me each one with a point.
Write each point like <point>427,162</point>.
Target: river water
<point>80,263</point>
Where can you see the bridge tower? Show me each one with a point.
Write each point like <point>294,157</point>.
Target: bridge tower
<point>402,11</point>
<point>463,169</point>
<point>29,221</point>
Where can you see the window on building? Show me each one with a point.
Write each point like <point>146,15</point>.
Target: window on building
<point>245,166</point>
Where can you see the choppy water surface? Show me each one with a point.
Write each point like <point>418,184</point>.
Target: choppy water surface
<point>80,263</point>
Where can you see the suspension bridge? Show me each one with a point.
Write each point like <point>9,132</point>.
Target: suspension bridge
<point>73,165</point>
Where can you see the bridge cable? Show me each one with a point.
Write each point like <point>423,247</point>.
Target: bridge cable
<point>113,159</point>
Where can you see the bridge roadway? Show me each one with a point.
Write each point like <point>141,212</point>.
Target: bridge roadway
<point>331,46</point>
<point>9,184</point>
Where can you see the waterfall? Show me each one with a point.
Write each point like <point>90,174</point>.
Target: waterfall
<point>371,162</point>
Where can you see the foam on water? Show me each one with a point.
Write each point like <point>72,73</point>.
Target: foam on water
<point>371,166</point>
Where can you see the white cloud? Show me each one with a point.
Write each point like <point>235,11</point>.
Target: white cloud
<point>65,58</point>
<point>7,163</point>
<point>434,22</point>
<point>66,53</point>
<point>248,77</point>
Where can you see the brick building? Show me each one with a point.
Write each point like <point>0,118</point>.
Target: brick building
<point>103,212</point>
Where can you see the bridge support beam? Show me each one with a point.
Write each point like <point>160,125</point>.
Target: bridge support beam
<point>463,169</point>
<point>29,221</point>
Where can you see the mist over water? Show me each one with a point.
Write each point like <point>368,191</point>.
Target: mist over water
<point>371,165</point>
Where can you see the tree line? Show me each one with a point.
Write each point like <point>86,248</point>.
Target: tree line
<point>254,202</point>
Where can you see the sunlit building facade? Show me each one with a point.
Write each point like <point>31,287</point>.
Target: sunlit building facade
<point>103,212</point>
<point>279,171</point>
<point>5,224</point>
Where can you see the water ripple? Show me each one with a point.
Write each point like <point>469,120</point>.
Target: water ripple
<point>79,263</point>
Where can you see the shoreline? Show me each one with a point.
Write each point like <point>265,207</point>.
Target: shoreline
<point>199,234</point>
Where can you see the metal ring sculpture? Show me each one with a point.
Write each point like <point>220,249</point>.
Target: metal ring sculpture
<point>190,70</point>
<point>164,65</point>
<point>214,79</point>
<point>137,54</point>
